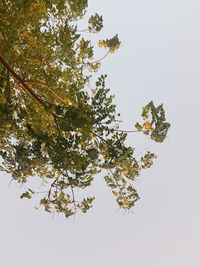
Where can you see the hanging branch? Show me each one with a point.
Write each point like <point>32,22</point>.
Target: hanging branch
<point>98,60</point>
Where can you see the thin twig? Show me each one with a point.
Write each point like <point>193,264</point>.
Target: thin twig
<point>85,30</point>
<point>101,58</point>
<point>98,60</point>
<point>125,131</point>
<point>100,137</point>
<point>49,192</point>
<point>73,197</point>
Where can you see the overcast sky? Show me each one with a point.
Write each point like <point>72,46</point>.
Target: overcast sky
<point>159,60</point>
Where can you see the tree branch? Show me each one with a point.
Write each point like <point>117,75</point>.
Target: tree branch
<point>46,86</point>
<point>19,80</point>
<point>125,131</point>
<point>7,93</point>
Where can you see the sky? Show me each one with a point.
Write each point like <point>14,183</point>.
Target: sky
<point>159,60</point>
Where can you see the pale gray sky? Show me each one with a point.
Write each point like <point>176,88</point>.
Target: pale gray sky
<point>159,60</point>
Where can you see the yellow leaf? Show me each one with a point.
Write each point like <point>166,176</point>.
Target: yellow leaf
<point>123,185</point>
<point>100,43</point>
<point>147,125</point>
<point>8,125</point>
<point>126,202</point>
<point>115,193</point>
<point>94,91</point>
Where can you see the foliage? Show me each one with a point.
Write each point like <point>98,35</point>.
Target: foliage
<point>112,44</point>
<point>95,23</point>
<point>52,126</point>
<point>157,128</point>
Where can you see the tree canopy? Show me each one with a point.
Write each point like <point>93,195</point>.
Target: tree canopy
<point>53,126</point>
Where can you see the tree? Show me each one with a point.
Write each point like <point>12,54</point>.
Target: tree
<point>53,127</point>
